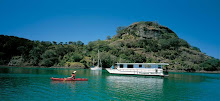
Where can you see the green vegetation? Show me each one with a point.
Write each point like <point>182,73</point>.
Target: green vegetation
<point>140,42</point>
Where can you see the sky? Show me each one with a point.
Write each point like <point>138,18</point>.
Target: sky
<point>196,21</point>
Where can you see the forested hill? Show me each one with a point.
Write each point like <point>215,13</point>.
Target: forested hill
<point>141,42</point>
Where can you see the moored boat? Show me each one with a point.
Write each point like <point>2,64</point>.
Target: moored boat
<point>98,67</point>
<point>69,79</point>
<point>148,69</point>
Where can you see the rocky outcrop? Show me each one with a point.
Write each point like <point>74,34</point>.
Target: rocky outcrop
<point>147,30</point>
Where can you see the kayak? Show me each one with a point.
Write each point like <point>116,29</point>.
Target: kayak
<point>69,79</point>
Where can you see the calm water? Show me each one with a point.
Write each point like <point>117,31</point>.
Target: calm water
<point>35,84</point>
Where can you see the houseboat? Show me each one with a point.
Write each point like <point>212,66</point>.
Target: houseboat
<point>148,69</point>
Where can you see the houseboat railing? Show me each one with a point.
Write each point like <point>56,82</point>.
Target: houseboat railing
<point>144,71</point>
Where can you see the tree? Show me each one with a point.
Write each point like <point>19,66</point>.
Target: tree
<point>174,42</point>
<point>183,43</point>
<point>34,55</point>
<point>196,48</point>
<point>164,44</point>
<point>120,28</point>
<point>61,43</point>
<point>137,58</point>
<point>49,58</point>
<point>211,64</point>
<point>73,57</point>
<point>79,43</point>
<point>108,37</point>
<point>70,42</point>
<point>46,43</point>
<point>54,42</point>
<point>107,59</point>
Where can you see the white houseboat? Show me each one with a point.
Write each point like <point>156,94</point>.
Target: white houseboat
<point>148,69</point>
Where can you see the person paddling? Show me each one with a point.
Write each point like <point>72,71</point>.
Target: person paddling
<point>73,75</point>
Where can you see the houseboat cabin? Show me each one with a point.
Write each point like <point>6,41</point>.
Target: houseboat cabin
<point>153,69</point>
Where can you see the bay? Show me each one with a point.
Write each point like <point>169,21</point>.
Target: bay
<point>22,83</point>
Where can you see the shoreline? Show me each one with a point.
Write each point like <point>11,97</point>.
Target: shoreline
<point>43,67</point>
<point>212,72</point>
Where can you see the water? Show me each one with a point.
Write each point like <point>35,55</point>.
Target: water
<point>34,84</point>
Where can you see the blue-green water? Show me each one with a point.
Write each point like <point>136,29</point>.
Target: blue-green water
<point>35,84</point>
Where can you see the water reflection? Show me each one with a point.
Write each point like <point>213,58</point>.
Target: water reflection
<point>68,82</point>
<point>129,87</point>
<point>63,82</point>
<point>95,72</point>
<point>186,77</point>
<point>134,79</point>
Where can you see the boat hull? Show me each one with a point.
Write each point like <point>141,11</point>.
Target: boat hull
<point>135,72</point>
<point>69,79</point>
<point>96,68</point>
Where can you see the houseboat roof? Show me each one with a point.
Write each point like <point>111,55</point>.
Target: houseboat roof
<point>145,63</point>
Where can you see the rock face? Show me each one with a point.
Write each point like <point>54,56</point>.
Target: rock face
<point>147,30</point>
<point>16,61</point>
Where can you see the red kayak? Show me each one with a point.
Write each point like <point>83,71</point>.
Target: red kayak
<point>69,79</point>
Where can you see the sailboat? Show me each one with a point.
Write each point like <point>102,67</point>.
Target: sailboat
<point>98,67</point>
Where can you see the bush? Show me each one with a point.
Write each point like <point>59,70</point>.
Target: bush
<point>174,42</point>
<point>49,58</point>
<point>107,59</point>
<point>164,44</point>
<point>183,43</point>
<point>211,64</point>
<point>16,61</point>
<point>196,48</point>
<point>74,64</point>
<point>72,57</point>
<point>120,29</point>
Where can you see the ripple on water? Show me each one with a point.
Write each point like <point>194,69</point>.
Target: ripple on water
<point>103,86</point>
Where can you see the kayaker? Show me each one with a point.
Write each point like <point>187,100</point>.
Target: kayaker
<point>73,75</point>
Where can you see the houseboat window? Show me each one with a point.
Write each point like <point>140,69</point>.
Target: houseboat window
<point>140,65</point>
<point>147,66</point>
<point>130,66</point>
<point>121,65</point>
<point>159,66</point>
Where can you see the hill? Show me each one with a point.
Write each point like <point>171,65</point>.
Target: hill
<point>140,42</point>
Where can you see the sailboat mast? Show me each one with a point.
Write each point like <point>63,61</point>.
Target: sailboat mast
<point>93,61</point>
<point>101,62</point>
<point>98,58</point>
